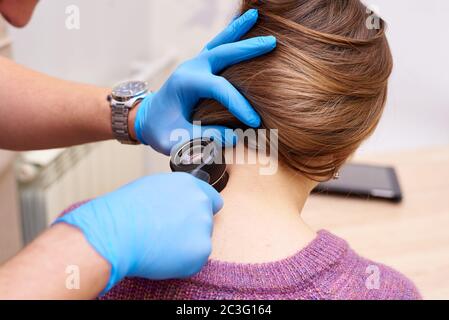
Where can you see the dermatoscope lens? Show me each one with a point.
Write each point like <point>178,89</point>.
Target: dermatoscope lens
<point>204,159</point>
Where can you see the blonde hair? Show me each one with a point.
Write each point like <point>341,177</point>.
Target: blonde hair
<point>324,87</point>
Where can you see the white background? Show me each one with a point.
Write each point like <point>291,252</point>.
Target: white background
<point>114,34</point>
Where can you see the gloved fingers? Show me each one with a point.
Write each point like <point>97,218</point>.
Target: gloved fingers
<point>236,30</point>
<point>140,121</point>
<point>223,136</point>
<point>233,53</point>
<point>187,131</point>
<point>225,93</point>
<point>215,198</point>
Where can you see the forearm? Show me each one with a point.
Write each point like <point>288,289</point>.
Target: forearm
<point>48,268</point>
<point>41,112</point>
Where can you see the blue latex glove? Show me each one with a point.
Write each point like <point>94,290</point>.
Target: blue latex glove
<point>156,228</point>
<point>171,107</point>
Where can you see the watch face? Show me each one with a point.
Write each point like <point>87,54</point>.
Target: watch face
<point>129,90</point>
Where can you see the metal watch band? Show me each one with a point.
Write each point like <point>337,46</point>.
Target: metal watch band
<point>120,115</point>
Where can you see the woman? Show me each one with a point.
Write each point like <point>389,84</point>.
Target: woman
<point>324,89</point>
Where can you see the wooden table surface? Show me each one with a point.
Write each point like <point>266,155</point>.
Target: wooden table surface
<point>412,237</point>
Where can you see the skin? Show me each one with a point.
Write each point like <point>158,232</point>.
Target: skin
<point>50,112</point>
<point>277,230</point>
<point>56,118</point>
<point>39,271</point>
<point>50,116</point>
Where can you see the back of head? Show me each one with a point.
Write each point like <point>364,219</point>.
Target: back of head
<point>324,88</point>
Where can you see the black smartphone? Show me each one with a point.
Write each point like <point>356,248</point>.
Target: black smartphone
<point>364,181</point>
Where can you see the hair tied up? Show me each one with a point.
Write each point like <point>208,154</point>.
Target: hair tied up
<point>324,87</point>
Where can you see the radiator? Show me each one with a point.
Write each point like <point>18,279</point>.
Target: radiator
<point>74,175</point>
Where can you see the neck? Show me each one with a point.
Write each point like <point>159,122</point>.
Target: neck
<point>261,221</point>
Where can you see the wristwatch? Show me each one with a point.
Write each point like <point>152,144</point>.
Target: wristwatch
<point>123,99</point>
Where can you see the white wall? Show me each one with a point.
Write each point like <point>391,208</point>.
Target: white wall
<point>418,108</point>
<point>186,26</point>
<point>113,34</point>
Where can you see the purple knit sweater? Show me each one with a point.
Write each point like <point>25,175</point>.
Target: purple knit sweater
<point>326,269</point>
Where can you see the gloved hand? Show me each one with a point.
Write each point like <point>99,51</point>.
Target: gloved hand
<point>170,108</point>
<point>156,228</point>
